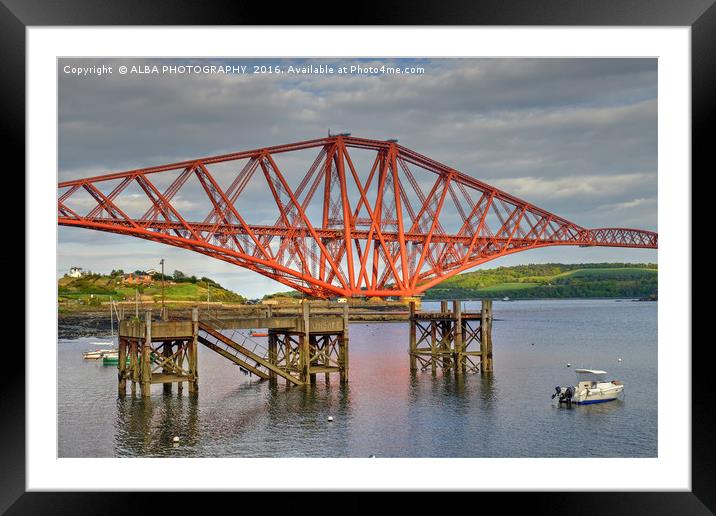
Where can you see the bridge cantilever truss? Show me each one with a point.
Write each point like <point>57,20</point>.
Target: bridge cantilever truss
<point>388,221</point>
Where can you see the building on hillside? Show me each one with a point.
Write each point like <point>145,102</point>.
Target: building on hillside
<point>136,279</point>
<point>76,272</point>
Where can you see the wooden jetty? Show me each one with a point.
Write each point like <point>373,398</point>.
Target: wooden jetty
<point>302,344</point>
<point>451,339</point>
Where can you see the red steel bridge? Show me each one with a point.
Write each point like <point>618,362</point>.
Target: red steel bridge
<point>336,216</point>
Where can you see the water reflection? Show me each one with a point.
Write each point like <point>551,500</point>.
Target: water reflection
<point>147,426</point>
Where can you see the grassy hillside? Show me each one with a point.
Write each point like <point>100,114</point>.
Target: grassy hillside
<point>552,280</point>
<point>96,288</point>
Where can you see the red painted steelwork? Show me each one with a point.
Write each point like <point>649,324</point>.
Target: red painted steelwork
<point>376,233</point>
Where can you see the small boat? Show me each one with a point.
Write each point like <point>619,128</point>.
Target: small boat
<point>96,354</point>
<point>505,298</point>
<point>592,387</point>
<point>112,359</point>
<point>101,353</point>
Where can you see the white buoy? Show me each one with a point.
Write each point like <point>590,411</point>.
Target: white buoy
<point>569,365</point>
<point>330,418</point>
<point>176,439</point>
<point>619,359</point>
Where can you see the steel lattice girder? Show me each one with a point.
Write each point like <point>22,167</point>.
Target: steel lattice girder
<point>382,231</point>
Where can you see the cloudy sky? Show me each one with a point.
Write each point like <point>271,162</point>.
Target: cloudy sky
<point>577,137</point>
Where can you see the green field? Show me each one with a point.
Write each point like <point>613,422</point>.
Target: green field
<point>97,288</point>
<point>552,280</point>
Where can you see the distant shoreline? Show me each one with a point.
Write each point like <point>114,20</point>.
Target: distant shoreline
<point>620,298</point>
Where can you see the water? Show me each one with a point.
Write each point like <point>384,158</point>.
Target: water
<point>384,411</point>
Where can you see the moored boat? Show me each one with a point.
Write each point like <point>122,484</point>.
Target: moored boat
<point>592,387</point>
<point>112,359</point>
<point>96,354</point>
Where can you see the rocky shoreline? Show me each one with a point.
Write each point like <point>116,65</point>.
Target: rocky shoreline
<point>87,324</point>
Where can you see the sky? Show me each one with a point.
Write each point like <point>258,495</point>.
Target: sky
<point>577,137</point>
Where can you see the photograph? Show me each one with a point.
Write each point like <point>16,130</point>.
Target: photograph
<point>358,257</point>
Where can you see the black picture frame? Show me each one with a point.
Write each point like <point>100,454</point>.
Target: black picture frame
<point>700,15</point>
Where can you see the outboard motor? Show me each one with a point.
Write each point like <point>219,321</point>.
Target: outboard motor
<point>564,395</point>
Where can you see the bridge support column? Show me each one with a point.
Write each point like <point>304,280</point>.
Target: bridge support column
<point>146,362</point>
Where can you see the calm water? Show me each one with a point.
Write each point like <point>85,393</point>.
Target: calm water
<point>384,411</point>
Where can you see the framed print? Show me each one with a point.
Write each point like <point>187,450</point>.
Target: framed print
<point>366,255</point>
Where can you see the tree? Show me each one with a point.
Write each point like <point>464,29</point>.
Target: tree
<point>179,275</point>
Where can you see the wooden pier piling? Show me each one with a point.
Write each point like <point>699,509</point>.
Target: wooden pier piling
<point>300,347</point>
<point>192,353</point>
<point>122,366</point>
<point>146,361</point>
<point>486,336</point>
<point>445,338</point>
<point>134,365</point>
<point>412,346</point>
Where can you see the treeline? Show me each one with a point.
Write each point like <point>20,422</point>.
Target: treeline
<point>552,280</point>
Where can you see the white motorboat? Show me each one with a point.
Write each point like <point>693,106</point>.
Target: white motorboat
<point>592,387</point>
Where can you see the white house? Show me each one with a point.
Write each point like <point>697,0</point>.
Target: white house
<point>76,272</point>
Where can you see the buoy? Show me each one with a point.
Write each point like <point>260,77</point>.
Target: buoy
<point>619,359</point>
<point>176,439</point>
<point>330,418</point>
<point>569,365</point>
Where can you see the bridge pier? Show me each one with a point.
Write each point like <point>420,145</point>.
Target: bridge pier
<point>444,339</point>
